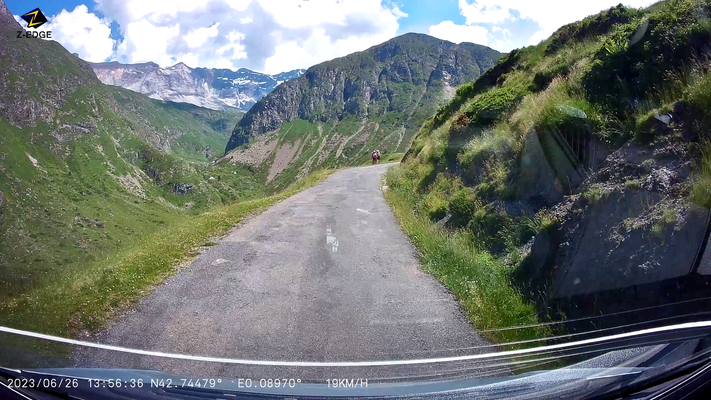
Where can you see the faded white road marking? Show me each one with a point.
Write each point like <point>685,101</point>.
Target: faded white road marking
<point>331,239</point>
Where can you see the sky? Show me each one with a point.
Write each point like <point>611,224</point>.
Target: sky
<point>281,35</point>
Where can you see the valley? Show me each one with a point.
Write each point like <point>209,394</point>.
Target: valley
<point>87,171</point>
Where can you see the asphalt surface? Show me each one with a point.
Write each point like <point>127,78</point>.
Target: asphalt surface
<point>326,275</point>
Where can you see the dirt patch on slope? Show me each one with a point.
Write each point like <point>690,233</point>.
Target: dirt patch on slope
<point>449,91</point>
<point>32,160</point>
<point>283,158</point>
<point>132,185</point>
<point>258,150</point>
<point>305,168</point>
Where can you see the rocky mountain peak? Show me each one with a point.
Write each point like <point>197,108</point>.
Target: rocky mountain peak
<point>6,17</point>
<point>412,70</point>
<point>47,82</point>
<point>180,66</point>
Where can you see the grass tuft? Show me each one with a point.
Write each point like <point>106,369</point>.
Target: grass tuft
<point>701,189</point>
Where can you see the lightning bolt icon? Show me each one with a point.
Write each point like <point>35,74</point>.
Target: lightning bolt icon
<point>34,18</point>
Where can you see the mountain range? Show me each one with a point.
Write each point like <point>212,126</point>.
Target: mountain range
<point>206,87</point>
<point>338,111</point>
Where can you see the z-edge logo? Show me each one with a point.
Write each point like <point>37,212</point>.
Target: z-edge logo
<point>35,19</point>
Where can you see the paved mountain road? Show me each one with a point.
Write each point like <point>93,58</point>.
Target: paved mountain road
<point>326,275</point>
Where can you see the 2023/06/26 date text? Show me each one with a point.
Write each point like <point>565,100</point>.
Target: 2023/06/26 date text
<point>43,383</point>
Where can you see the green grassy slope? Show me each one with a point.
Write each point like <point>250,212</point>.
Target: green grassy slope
<point>84,293</point>
<point>190,132</point>
<point>605,77</point>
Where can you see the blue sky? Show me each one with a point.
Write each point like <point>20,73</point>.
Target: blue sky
<point>280,35</point>
<point>423,13</point>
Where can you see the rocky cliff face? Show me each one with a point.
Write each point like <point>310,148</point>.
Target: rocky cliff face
<point>205,87</point>
<point>34,89</point>
<point>409,75</point>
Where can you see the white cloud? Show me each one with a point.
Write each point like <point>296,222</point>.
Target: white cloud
<point>448,30</point>
<point>144,41</point>
<point>268,35</point>
<point>398,13</point>
<point>484,11</point>
<point>197,37</point>
<point>81,32</point>
<point>549,14</point>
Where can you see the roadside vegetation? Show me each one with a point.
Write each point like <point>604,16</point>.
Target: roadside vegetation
<point>470,192</point>
<point>82,299</point>
<point>478,280</point>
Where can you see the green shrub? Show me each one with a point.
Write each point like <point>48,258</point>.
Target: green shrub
<point>435,202</point>
<point>489,79</point>
<point>434,207</point>
<point>632,184</point>
<point>544,220</point>
<point>591,26</point>
<point>492,105</point>
<point>639,58</point>
<point>497,231</point>
<point>558,109</point>
<point>541,80</point>
<point>498,144</point>
<point>648,125</point>
<point>463,205</point>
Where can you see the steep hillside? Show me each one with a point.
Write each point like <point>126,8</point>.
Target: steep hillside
<point>190,132</point>
<point>206,87</point>
<point>87,169</point>
<point>340,110</point>
<point>578,169</point>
